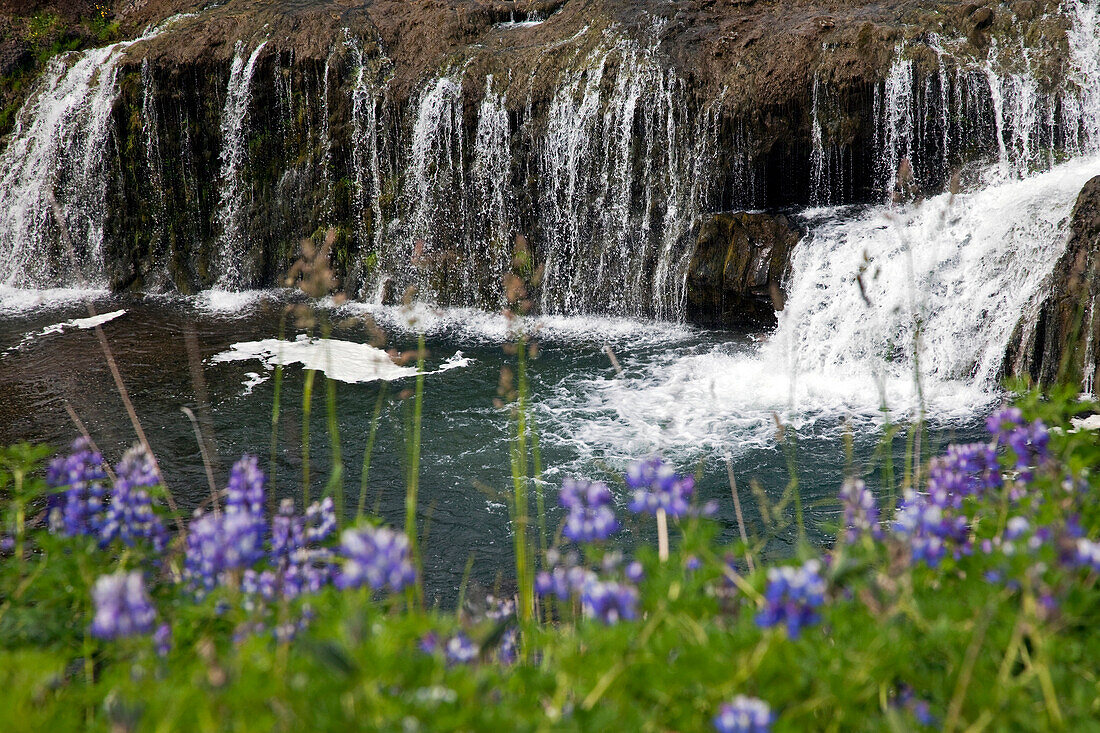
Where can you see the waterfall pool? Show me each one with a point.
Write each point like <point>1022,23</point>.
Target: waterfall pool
<point>692,395</point>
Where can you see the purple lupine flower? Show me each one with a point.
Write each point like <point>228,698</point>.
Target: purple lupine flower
<point>122,606</point>
<point>508,651</point>
<point>499,609</point>
<point>610,602</point>
<point>964,470</point>
<point>429,643</point>
<point>220,543</point>
<point>792,597</point>
<point>245,491</point>
<point>860,510</point>
<point>928,527</point>
<point>1088,554</point>
<point>245,497</point>
<point>1016,527</point>
<point>591,518</point>
<point>320,521</point>
<point>634,572</point>
<point>552,582</point>
<point>162,640</point>
<point>376,557</point>
<point>130,515</point>
<point>287,532</point>
<point>1002,423</point>
<point>460,650</point>
<point>78,510</point>
<point>692,563</point>
<point>1028,441</point>
<point>743,715</point>
<point>920,708</point>
<point>308,573</point>
<point>657,486</point>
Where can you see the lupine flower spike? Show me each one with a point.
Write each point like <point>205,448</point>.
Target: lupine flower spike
<point>591,518</point>
<point>743,715</point>
<point>122,606</point>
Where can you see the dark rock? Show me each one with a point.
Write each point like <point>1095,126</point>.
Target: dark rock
<point>1063,345</point>
<point>736,274</point>
<point>982,18</point>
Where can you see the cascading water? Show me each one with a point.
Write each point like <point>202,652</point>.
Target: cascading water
<point>908,307</point>
<point>612,228</point>
<point>231,255</point>
<point>58,153</point>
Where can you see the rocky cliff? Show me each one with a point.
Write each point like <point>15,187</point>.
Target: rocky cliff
<point>429,133</point>
<point>1061,346</point>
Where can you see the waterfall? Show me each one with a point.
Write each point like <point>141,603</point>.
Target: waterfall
<point>150,123</point>
<point>612,228</point>
<point>934,291</point>
<point>366,160</point>
<point>58,152</point>
<point>231,256</point>
<point>493,226</point>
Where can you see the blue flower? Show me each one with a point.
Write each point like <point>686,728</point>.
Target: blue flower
<point>377,557</point>
<point>122,606</point>
<point>610,602</point>
<point>460,650</point>
<point>320,521</point>
<point>591,518</point>
<point>78,510</point>
<point>928,527</point>
<point>964,470</point>
<point>162,640</point>
<point>860,510</point>
<point>743,715</point>
<point>245,492</point>
<point>220,543</point>
<point>1088,554</point>
<point>792,597</point>
<point>1027,441</point>
<point>129,516</point>
<point>657,486</point>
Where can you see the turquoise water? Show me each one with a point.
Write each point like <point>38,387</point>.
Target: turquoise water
<point>673,397</point>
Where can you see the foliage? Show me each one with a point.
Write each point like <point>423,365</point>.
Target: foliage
<point>995,630</point>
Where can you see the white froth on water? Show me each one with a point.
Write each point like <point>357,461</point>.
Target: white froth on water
<point>497,327</point>
<point>251,381</point>
<point>21,300</point>
<point>457,361</point>
<point>77,323</point>
<point>231,301</point>
<point>344,361</point>
<point>944,285</point>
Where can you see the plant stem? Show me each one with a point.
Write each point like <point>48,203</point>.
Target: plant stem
<point>307,404</point>
<point>412,484</point>
<point>336,479</point>
<point>275,416</point>
<point>369,450</point>
<point>662,535</point>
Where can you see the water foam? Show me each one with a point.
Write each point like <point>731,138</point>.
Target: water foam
<point>943,287</point>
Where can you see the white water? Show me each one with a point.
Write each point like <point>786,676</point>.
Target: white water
<point>967,269</point>
<point>58,151</point>
<point>615,204</point>
<point>81,324</point>
<point>344,361</point>
<point>232,260</point>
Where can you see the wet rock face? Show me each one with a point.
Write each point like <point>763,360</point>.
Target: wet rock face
<point>1063,346</point>
<point>735,278</point>
<point>429,133</point>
